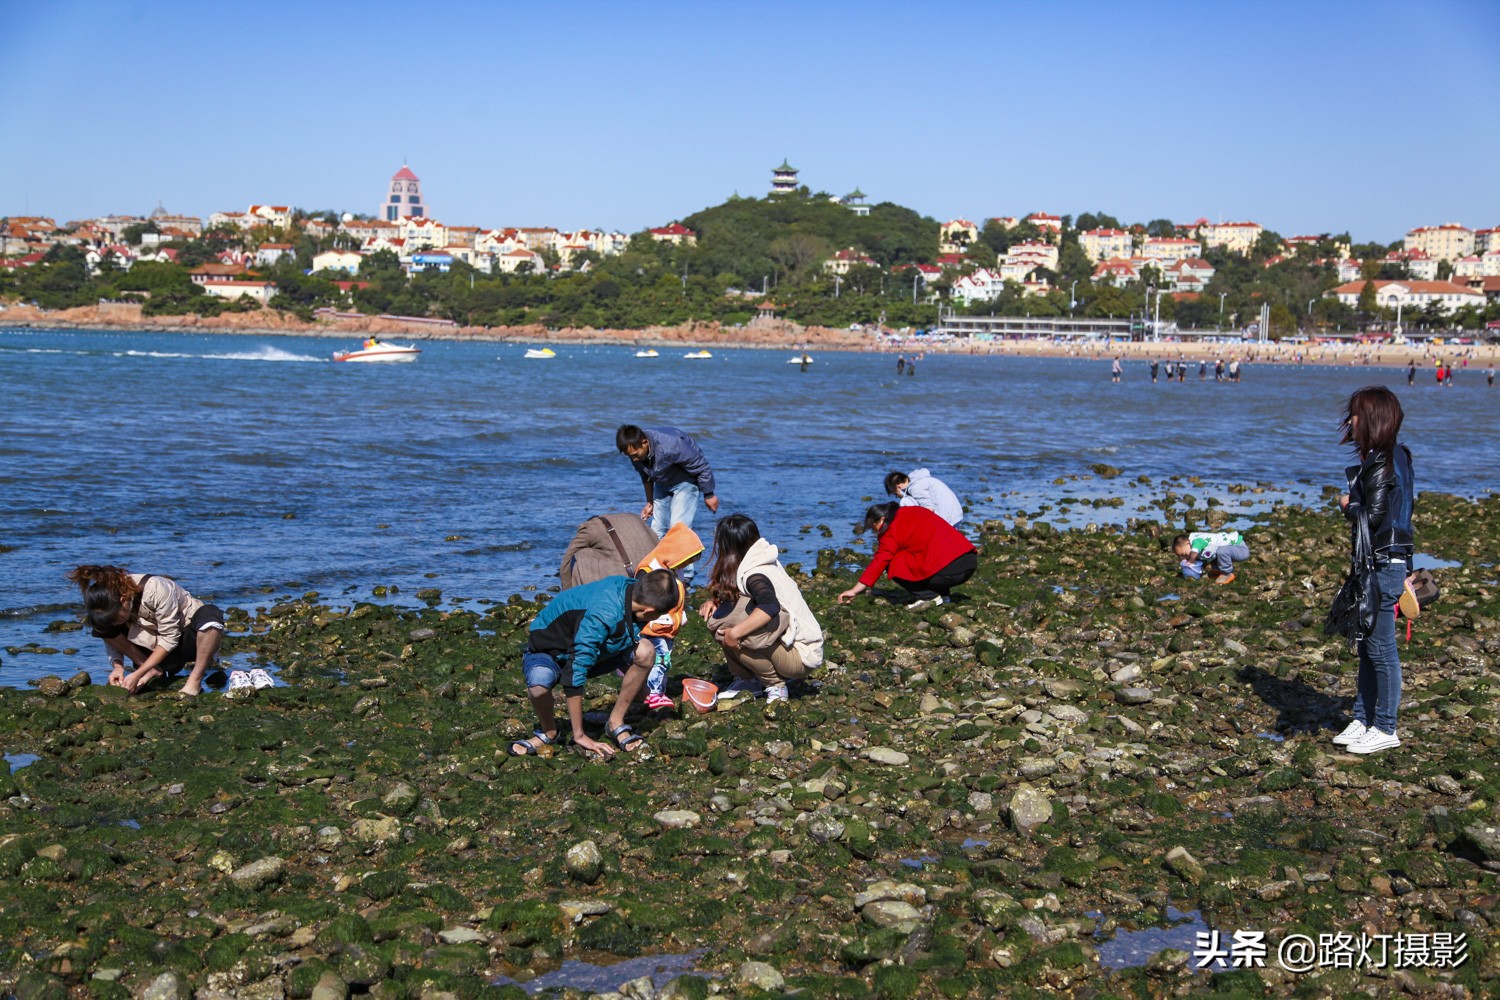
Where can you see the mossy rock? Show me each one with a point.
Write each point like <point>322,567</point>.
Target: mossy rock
<point>346,928</point>
<point>382,885</point>
<point>304,976</point>
<point>458,959</point>
<point>225,951</point>
<point>525,922</point>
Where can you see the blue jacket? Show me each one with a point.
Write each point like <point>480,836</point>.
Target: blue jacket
<point>584,627</point>
<point>674,458</point>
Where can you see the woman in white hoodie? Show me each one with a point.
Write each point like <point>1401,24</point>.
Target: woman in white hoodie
<point>758,614</point>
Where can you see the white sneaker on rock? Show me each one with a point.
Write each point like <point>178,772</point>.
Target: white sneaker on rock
<point>239,680</point>
<point>1352,733</point>
<point>261,679</point>
<point>739,687</point>
<point>931,602</point>
<point>776,692</point>
<point>1373,741</point>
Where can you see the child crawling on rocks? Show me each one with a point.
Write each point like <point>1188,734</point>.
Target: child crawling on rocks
<point>1219,549</point>
<point>584,632</point>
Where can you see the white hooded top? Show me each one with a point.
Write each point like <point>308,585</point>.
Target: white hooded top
<point>803,634</point>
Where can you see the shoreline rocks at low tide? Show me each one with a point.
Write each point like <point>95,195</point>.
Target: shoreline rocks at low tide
<point>975,800</point>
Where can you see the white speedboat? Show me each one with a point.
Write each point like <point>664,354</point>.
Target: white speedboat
<point>698,355</point>
<point>542,352</point>
<point>374,350</point>
<point>800,359</point>
<point>649,352</point>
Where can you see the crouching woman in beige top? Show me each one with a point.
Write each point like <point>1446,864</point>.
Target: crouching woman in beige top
<point>152,621</point>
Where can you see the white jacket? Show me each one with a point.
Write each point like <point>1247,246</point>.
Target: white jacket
<point>927,490</point>
<point>803,634</point>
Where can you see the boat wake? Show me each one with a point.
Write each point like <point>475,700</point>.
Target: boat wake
<point>260,354</point>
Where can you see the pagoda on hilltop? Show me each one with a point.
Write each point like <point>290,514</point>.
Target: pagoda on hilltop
<point>855,201</point>
<point>405,197</point>
<point>784,179</point>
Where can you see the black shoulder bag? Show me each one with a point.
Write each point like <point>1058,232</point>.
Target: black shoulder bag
<point>1358,600</point>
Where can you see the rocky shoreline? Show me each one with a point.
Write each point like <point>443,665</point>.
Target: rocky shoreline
<point>993,798</point>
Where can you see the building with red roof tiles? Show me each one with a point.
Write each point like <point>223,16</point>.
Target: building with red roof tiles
<point>403,197</point>
<point>843,260</point>
<point>956,236</point>
<point>1449,241</point>
<point>1101,244</point>
<point>674,233</point>
<point>1411,294</point>
<point>1236,237</point>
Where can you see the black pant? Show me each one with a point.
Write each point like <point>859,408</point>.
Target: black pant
<point>944,580</point>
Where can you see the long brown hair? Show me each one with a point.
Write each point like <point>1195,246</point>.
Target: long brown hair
<point>106,589</point>
<point>732,539</point>
<point>1380,416</point>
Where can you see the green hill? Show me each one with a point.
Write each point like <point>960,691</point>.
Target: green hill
<point>790,235</point>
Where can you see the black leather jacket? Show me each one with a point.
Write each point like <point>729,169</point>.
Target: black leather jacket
<point>1382,491</point>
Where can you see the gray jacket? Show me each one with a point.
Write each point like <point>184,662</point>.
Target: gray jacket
<point>674,458</point>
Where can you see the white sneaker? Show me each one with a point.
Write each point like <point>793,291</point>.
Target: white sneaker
<point>1351,734</point>
<point>775,693</point>
<point>1373,741</point>
<point>931,602</point>
<point>239,680</point>
<point>741,686</point>
<point>261,679</point>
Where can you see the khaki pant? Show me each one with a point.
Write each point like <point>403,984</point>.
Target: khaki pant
<point>773,666</point>
<point>776,664</point>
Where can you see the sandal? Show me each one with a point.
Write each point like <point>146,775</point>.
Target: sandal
<point>625,737</point>
<point>530,749</point>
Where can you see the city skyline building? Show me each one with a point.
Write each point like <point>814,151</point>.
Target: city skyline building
<point>404,197</point>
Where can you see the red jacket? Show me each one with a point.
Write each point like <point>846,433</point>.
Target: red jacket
<point>916,544</point>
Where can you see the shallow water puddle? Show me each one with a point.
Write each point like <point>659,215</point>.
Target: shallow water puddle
<point>593,978</point>
<point>1273,737</point>
<point>922,862</point>
<point>1424,561</point>
<point>1132,949</point>
<point>1169,597</point>
<point>20,760</point>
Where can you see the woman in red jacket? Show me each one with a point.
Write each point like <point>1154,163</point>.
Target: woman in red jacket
<point>922,552</point>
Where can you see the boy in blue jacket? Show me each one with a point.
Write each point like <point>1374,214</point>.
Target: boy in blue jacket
<point>584,632</point>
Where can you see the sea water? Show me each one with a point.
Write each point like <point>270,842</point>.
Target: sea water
<point>251,467</point>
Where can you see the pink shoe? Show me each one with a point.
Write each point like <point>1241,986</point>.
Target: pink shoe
<point>655,701</point>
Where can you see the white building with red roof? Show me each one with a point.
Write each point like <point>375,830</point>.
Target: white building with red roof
<point>1190,275</point>
<point>1478,265</point>
<point>1349,269</point>
<point>956,236</point>
<point>1046,223</point>
<point>1487,239</point>
<point>1236,237</point>
<point>347,261</point>
<point>674,233</point>
<point>1413,294</point>
<point>843,260</point>
<point>519,259</point>
<point>1117,271</point>
<point>1170,249</point>
<point>1101,244</point>
<point>1419,264</point>
<point>1449,242</point>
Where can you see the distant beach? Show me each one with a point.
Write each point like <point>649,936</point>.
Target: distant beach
<point>760,334</point>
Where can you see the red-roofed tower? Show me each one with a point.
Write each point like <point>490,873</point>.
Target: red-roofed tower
<point>404,197</point>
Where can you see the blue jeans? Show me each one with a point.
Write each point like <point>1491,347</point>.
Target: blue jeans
<point>1378,686</point>
<point>661,665</point>
<point>677,505</point>
<point>1225,556</point>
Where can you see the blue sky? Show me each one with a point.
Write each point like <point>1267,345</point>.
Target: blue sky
<point>1307,117</point>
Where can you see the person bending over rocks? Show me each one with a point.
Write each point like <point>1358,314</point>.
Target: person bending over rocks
<point>584,632</point>
<point>923,489</point>
<point>675,474</point>
<point>924,554</point>
<point>1220,549</point>
<point>758,614</point>
<point>151,621</point>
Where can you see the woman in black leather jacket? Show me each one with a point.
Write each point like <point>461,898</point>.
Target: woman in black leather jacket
<point>1381,492</point>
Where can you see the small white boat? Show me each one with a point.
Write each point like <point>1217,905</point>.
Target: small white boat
<point>649,352</point>
<point>374,350</point>
<point>544,352</point>
<point>800,359</point>
<point>698,355</point>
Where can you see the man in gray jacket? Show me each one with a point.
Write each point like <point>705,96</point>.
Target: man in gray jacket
<point>923,489</point>
<point>675,474</point>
